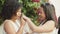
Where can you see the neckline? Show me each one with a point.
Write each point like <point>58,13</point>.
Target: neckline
<point>11,21</point>
<point>43,22</point>
<point>16,23</point>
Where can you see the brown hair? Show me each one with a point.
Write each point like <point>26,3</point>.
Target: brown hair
<point>49,11</point>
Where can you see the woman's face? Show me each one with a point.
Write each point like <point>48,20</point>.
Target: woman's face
<point>41,14</point>
<point>19,13</point>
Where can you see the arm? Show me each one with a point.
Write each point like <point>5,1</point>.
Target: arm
<point>47,27</point>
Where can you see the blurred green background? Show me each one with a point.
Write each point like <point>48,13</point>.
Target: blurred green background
<point>29,8</point>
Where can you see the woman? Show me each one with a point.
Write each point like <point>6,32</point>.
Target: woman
<point>13,21</point>
<point>47,20</point>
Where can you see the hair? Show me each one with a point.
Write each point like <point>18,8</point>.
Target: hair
<point>54,16</point>
<point>10,8</point>
<point>59,21</point>
<point>49,11</point>
<point>59,25</point>
<point>54,13</point>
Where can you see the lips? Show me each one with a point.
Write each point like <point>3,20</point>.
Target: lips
<point>39,11</point>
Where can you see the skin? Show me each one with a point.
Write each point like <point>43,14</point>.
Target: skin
<point>9,29</point>
<point>41,14</point>
<point>47,27</point>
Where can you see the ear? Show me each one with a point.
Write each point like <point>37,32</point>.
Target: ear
<point>17,13</point>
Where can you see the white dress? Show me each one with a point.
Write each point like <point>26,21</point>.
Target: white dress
<point>27,29</point>
<point>17,25</point>
<point>55,31</point>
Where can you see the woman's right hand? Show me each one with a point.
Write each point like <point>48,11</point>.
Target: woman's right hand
<point>22,21</point>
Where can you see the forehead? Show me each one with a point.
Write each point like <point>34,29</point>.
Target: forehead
<point>40,9</point>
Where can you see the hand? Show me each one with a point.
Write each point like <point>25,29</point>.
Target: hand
<point>22,21</point>
<point>26,18</point>
<point>28,33</point>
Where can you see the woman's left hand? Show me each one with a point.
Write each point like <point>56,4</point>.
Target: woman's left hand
<point>26,18</point>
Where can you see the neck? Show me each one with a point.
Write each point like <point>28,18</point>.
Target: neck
<point>13,19</point>
<point>42,20</point>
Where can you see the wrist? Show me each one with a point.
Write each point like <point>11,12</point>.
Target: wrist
<point>22,25</point>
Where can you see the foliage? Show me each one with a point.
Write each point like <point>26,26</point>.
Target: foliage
<point>1,4</point>
<point>29,9</point>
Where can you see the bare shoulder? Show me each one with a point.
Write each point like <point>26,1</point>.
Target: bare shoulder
<point>50,22</point>
<point>8,27</point>
<point>49,26</point>
<point>7,22</point>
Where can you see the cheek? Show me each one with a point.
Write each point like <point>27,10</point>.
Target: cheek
<point>44,16</point>
<point>18,14</point>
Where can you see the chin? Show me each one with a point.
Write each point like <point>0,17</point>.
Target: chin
<point>18,17</point>
<point>42,18</point>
